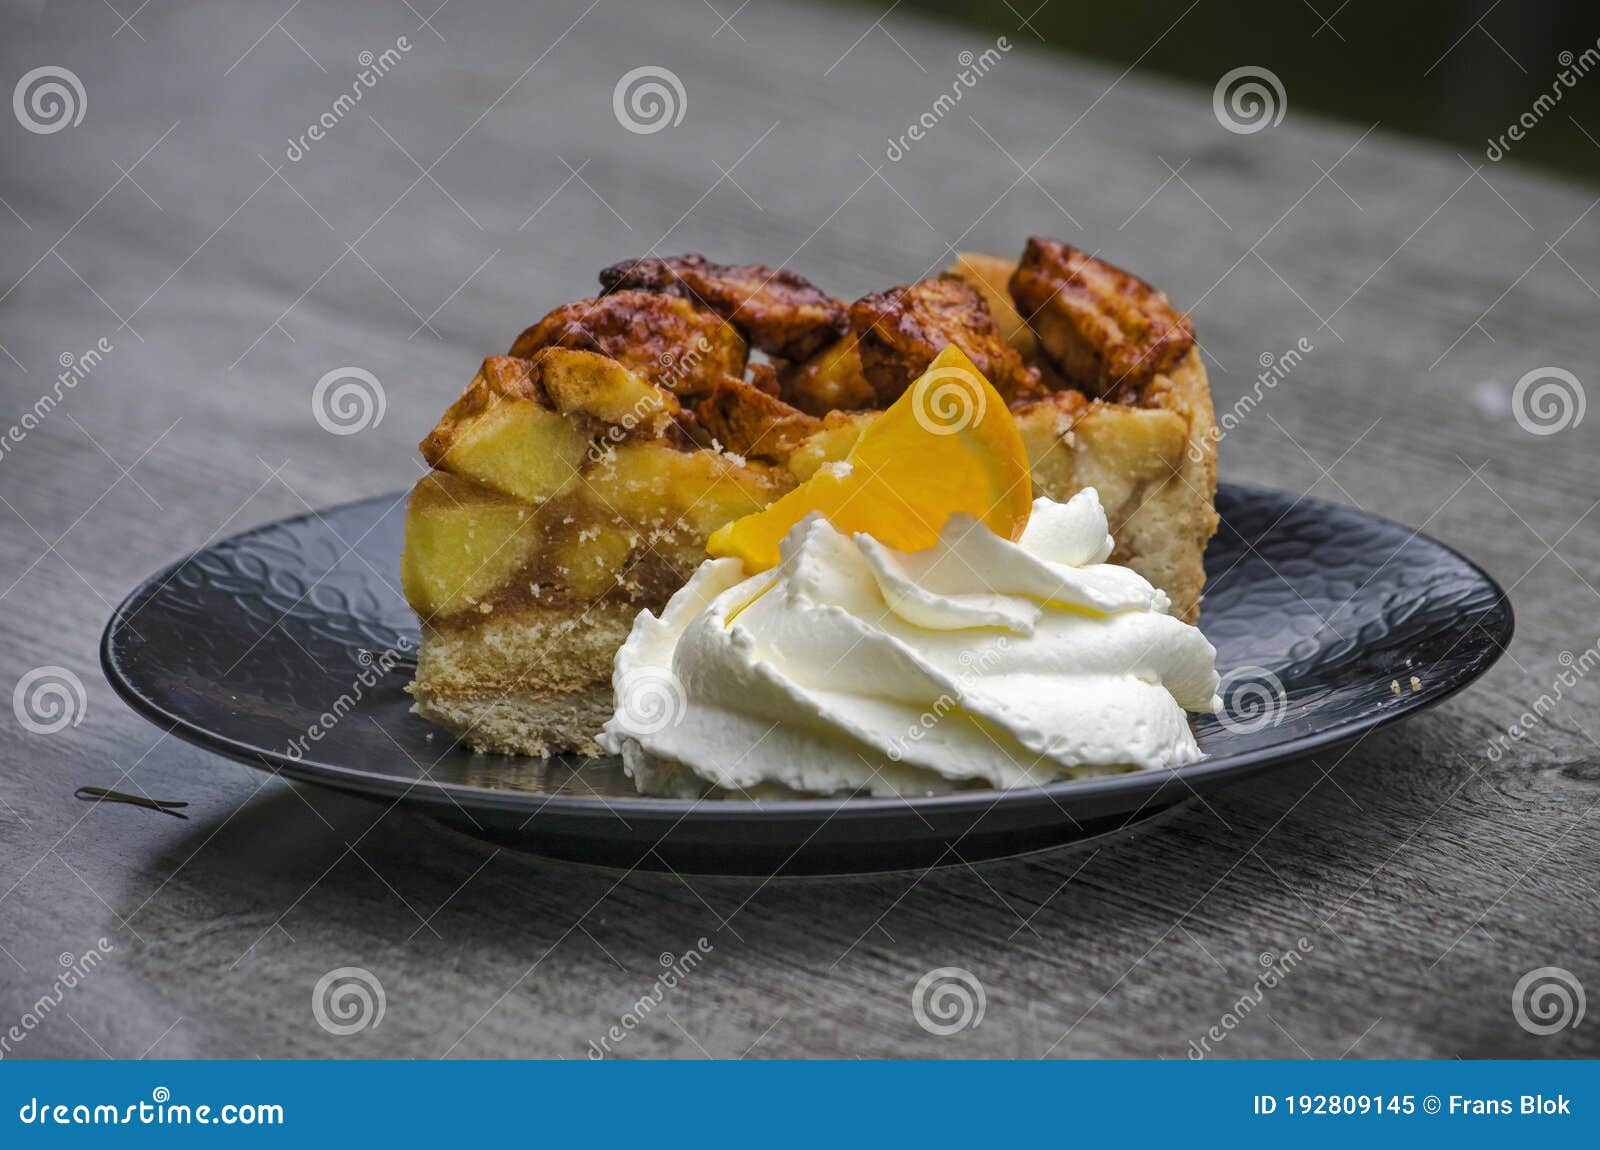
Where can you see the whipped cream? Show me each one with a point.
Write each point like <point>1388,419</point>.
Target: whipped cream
<point>851,665</point>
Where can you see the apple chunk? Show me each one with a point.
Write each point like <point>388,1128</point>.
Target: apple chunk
<point>654,487</point>
<point>463,540</point>
<point>501,433</point>
<point>586,383</point>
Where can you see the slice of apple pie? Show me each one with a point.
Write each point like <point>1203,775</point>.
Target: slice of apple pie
<point>577,479</point>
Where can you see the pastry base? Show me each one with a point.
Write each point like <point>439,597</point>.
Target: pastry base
<point>530,682</point>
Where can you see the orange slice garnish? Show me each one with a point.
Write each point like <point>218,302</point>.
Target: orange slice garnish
<point>947,445</point>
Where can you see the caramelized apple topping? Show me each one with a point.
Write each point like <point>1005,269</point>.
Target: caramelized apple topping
<point>780,312</point>
<point>831,380</point>
<point>1106,330</point>
<point>671,342</point>
<point>899,331</point>
<point>751,423</point>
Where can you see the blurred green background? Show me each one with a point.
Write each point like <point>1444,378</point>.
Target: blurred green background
<point>1459,71</point>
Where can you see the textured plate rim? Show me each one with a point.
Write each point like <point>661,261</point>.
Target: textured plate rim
<point>980,802</point>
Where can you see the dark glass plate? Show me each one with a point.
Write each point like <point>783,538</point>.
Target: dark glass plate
<point>1328,623</point>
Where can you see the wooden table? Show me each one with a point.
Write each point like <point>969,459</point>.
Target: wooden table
<point>485,177</point>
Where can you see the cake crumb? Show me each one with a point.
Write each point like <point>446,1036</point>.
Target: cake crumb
<point>1394,686</point>
<point>1416,683</point>
<point>839,468</point>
